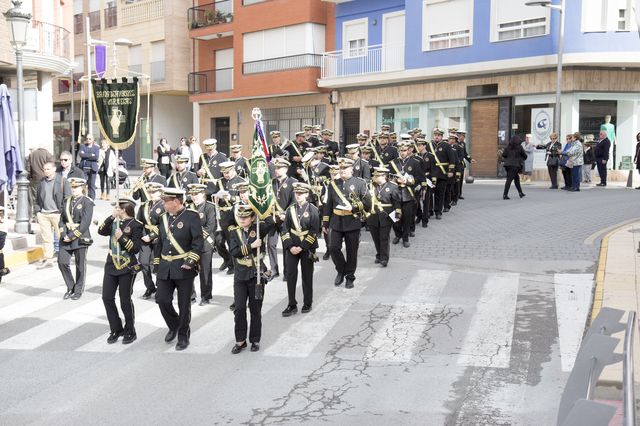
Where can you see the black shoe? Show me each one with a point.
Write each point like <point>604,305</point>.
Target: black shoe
<point>376,261</point>
<point>439,217</point>
<point>575,190</point>
<point>113,337</point>
<point>565,188</point>
<point>396,240</point>
<point>255,347</point>
<point>553,187</point>
<point>305,309</point>
<point>339,279</point>
<point>171,335</point>
<point>147,294</point>
<point>326,256</point>
<point>76,296</point>
<point>129,338</point>
<point>384,263</point>
<point>194,299</point>
<point>182,344</point>
<point>224,266</point>
<point>412,234</point>
<point>290,310</point>
<point>522,195</point>
<point>205,302</point>
<point>230,271</point>
<point>425,224</point>
<point>601,184</point>
<point>238,348</point>
<point>446,209</point>
<point>67,295</point>
<point>454,203</point>
<point>406,244</point>
<point>505,197</point>
<point>232,307</point>
<point>460,197</point>
<point>273,276</point>
<point>349,283</point>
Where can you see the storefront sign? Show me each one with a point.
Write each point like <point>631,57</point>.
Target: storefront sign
<point>541,125</point>
<point>626,163</point>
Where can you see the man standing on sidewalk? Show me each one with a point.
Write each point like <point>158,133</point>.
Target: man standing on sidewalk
<point>601,152</point>
<point>35,166</point>
<point>51,192</point>
<point>89,154</point>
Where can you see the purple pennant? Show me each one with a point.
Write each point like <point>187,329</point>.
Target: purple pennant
<point>101,60</point>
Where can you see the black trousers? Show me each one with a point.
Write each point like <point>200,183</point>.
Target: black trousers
<point>91,184</point>
<point>512,176</point>
<point>459,185</point>
<point>553,175</point>
<point>244,291</point>
<point>427,203</point>
<point>566,176</point>
<point>221,247</point>
<point>306,268</point>
<point>165,170</point>
<point>351,241</point>
<point>164,299</point>
<point>105,184</point>
<point>439,194</point>
<point>124,285</point>
<point>449,192</point>
<point>602,170</point>
<point>381,236</point>
<point>145,257</point>
<point>206,275</point>
<point>403,226</point>
<point>64,260</point>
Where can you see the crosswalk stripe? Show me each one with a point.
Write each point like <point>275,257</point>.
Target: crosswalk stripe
<point>490,333</point>
<point>56,327</point>
<point>403,328</point>
<point>573,297</point>
<point>299,340</point>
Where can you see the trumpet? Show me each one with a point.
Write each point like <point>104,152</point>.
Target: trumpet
<point>361,214</point>
<point>375,202</point>
<point>136,186</point>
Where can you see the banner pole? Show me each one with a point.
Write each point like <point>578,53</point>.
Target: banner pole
<point>117,175</point>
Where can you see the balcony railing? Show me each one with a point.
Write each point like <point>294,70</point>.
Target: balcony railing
<point>141,11</point>
<point>94,20</point>
<point>204,15</point>
<point>49,39</point>
<point>157,71</point>
<point>111,17</point>
<point>282,64</point>
<point>211,81</point>
<point>361,61</point>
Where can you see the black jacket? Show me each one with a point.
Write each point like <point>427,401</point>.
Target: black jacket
<point>240,248</point>
<point>445,159</point>
<point>129,243</point>
<point>75,221</point>
<point>61,190</point>
<point>301,227</point>
<point>344,221</point>
<point>186,230</point>
<point>601,150</point>
<point>514,157</point>
<point>74,172</point>
<point>211,165</point>
<point>182,179</point>
<point>141,193</point>
<point>385,200</point>
<point>207,213</point>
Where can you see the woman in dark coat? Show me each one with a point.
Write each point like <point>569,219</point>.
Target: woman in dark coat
<point>636,158</point>
<point>514,157</point>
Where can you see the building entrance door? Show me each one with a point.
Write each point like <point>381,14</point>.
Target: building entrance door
<point>221,132</point>
<point>350,119</point>
<point>484,134</point>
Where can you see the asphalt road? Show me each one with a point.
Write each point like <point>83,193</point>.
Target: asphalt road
<point>477,323</point>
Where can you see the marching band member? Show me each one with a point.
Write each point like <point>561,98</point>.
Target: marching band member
<point>283,198</point>
<point>149,215</point>
<point>444,157</point>
<point>333,150</point>
<point>225,198</point>
<point>242,164</point>
<point>361,168</point>
<point>148,175</point>
<point>120,270</point>
<point>182,177</point>
<point>181,245</point>
<point>207,213</point>
<point>300,232</point>
<point>294,153</point>
<point>243,246</point>
<point>347,200</point>
<point>425,203</point>
<point>409,173</point>
<point>386,153</point>
<point>450,198</point>
<point>385,203</point>
<point>75,238</point>
<point>210,162</point>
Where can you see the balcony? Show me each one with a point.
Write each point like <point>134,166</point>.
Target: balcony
<point>204,15</point>
<point>47,48</point>
<point>141,11</point>
<point>211,81</point>
<point>307,60</point>
<point>363,61</point>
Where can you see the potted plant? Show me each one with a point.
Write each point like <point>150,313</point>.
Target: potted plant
<point>209,17</point>
<point>229,17</point>
<point>220,17</point>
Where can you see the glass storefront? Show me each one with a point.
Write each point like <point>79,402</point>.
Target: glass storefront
<point>403,118</point>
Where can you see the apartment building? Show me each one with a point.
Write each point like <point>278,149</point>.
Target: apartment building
<point>159,51</point>
<point>487,66</point>
<point>48,54</point>
<point>258,53</point>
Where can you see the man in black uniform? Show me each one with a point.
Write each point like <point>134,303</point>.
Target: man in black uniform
<point>207,212</point>
<point>300,232</point>
<point>182,177</point>
<point>462,135</point>
<point>361,168</point>
<point>75,238</point>
<point>242,164</point>
<point>283,198</point>
<point>225,197</point>
<point>444,157</point>
<point>181,246</point>
<point>362,139</point>
<point>243,246</point>
<point>425,203</point>
<point>148,175</point>
<point>210,161</point>
<point>149,215</point>
<point>333,150</point>
<point>385,204</point>
<point>366,152</point>
<point>408,171</point>
<point>294,152</point>
<point>348,200</point>
<point>452,183</point>
<point>385,152</point>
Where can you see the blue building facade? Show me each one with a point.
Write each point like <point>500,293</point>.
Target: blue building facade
<point>459,63</point>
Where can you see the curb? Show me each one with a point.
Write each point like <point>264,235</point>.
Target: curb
<point>23,257</point>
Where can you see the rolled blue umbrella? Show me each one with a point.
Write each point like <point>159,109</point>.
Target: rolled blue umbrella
<point>12,164</point>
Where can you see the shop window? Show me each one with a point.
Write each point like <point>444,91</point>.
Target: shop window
<point>592,115</point>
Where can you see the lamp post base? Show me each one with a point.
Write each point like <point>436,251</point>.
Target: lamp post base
<point>23,225</point>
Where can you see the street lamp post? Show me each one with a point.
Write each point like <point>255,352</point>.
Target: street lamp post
<point>560,8</point>
<point>19,20</point>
